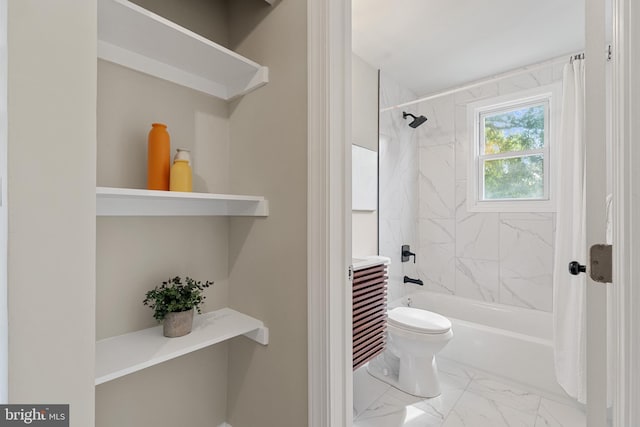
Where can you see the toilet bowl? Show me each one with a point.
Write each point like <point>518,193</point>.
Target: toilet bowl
<point>414,337</point>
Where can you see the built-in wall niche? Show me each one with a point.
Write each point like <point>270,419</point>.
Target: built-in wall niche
<point>235,149</point>
<point>144,42</point>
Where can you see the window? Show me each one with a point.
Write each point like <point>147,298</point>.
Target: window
<point>511,166</point>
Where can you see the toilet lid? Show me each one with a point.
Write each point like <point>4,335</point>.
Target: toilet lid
<point>418,320</point>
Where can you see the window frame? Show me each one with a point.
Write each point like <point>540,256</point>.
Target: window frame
<point>550,96</point>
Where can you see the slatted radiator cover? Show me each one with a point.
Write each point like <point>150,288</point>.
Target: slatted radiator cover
<point>369,313</point>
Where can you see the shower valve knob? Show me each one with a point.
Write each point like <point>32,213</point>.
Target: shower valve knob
<point>406,254</point>
<point>576,268</point>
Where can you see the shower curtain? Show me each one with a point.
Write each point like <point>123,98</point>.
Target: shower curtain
<point>569,292</point>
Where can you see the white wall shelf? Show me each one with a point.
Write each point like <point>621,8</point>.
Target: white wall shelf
<point>124,354</point>
<point>136,38</point>
<point>133,202</point>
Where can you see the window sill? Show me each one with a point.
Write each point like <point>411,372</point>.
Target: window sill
<point>512,206</point>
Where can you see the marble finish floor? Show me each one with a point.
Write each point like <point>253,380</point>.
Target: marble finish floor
<point>469,399</point>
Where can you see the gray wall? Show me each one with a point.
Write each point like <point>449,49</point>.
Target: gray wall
<point>364,121</point>
<point>268,257</point>
<point>205,17</point>
<point>51,199</point>
<point>364,106</point>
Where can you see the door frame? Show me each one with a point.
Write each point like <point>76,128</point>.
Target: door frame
<point>595,135</point>
<point>4,309</point>
<point>329,227</point>
<point>330,388</point>
<point>626,211</point>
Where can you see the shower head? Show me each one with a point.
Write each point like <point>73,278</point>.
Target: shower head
<point>417,121</point>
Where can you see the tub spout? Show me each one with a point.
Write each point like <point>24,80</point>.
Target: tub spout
<point>408,279</point>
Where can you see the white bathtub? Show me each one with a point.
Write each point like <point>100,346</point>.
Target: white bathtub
<point>512,342</point>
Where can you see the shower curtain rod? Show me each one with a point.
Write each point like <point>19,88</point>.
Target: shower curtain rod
<point>481,82</point>
<point>485,80</point>
<point>576,57</point>
<point>580,55</point>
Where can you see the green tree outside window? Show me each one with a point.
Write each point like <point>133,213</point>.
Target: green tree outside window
<point>521,175</point>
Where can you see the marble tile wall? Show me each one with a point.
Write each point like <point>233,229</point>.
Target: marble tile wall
<point>496,257</point>
<point>398,183</point>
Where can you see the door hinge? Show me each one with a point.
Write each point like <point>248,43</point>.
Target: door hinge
<point>351,272</point>
<point>601,263</point>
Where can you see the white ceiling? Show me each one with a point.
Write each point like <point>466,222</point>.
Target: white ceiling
<point>431,45</point>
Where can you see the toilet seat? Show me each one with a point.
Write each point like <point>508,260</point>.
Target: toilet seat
<point>418,321</point>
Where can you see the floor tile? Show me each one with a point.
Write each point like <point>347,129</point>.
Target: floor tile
<point>474,410</point>
<point>396,409</point>
<point>391,419</point>
<point>453,376</point>
<point>469,399</point>
<point>440,407</point>
<point>505,394</point>
<point>554,414</point>
<point>366,390</point>
<point>391,402</point>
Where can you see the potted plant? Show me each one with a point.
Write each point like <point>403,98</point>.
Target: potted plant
<point>173,303</point>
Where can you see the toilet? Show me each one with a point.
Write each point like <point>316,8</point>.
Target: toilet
<point>414,337</point>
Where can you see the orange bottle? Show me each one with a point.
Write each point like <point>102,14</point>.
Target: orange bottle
<point>158,158</point>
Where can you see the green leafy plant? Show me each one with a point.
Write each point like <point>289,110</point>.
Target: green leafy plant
<point>173,296</point>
